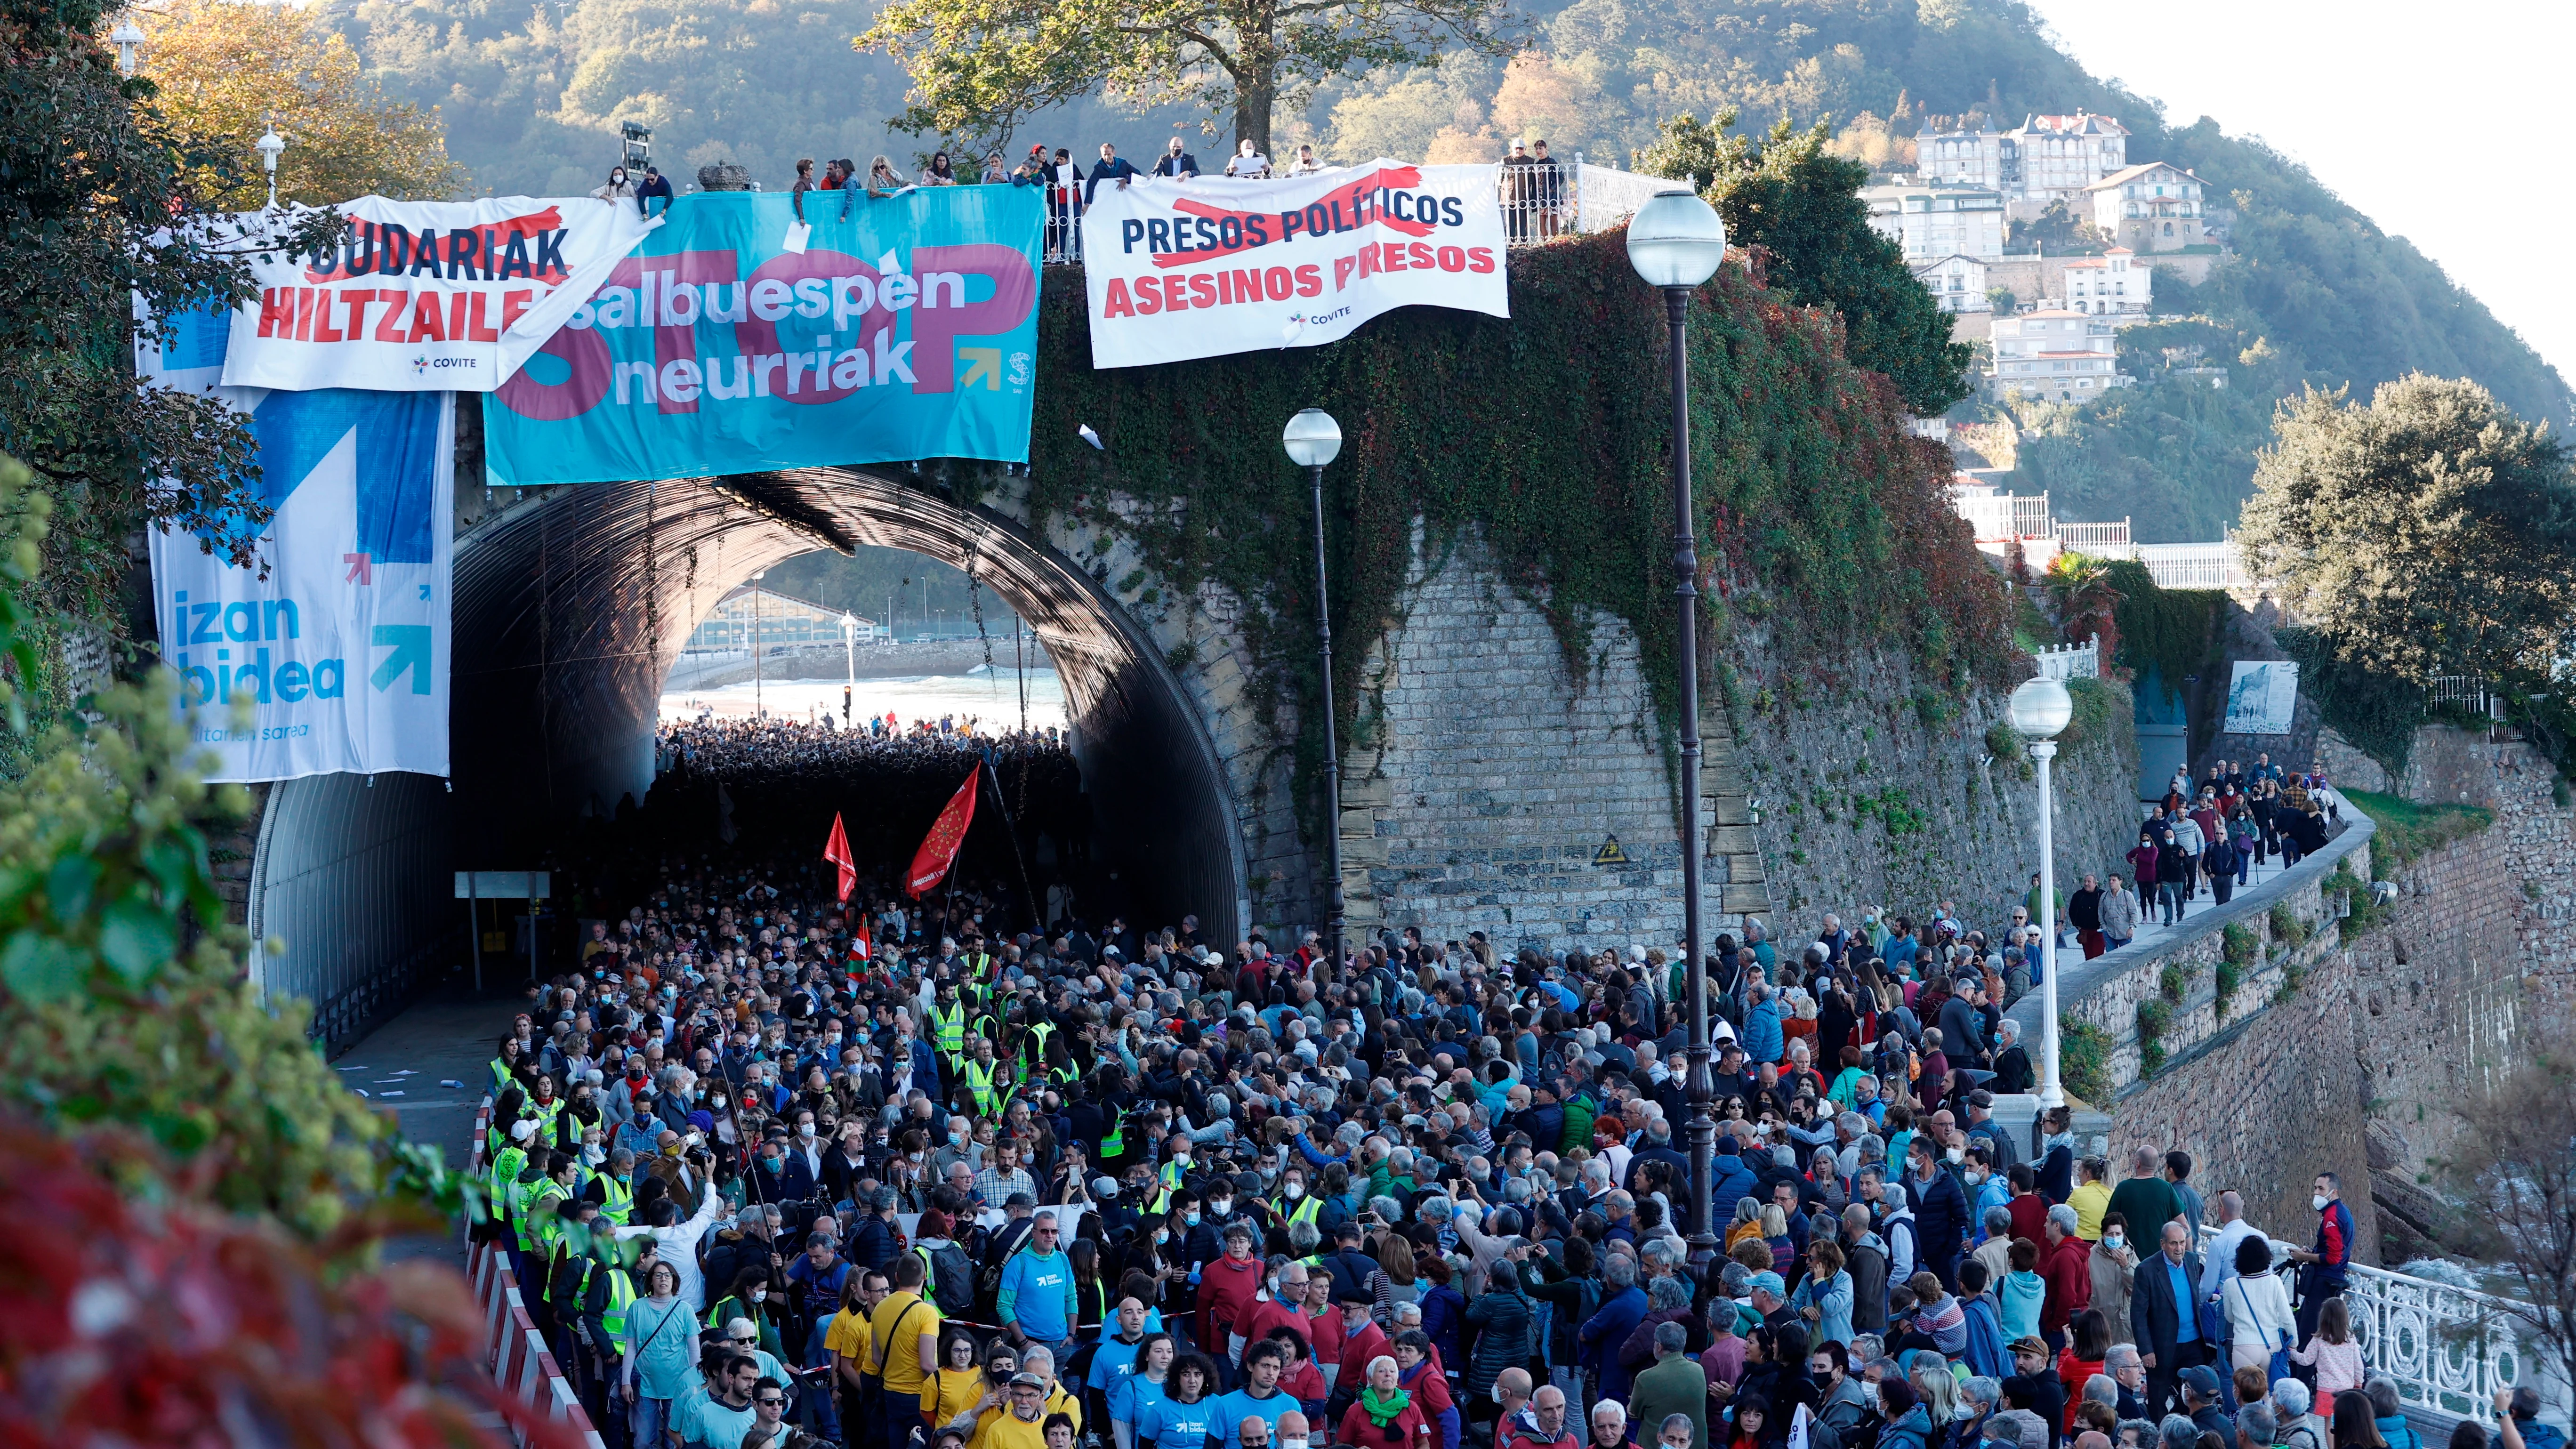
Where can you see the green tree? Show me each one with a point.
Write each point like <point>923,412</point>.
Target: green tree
<point>980,67</point>
<point>1798,201</point>
<point>91,180</point>
<point>224,72</point>
<point>2428,532</point>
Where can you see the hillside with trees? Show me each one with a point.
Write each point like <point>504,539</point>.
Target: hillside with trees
<point>531,91</point>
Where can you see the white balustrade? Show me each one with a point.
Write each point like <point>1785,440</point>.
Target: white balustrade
<point>2448,1349</point>
<point>2070,661</point>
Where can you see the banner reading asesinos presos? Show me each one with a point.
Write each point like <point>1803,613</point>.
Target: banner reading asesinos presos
<point>1183,269</point>
<point>426,296</point>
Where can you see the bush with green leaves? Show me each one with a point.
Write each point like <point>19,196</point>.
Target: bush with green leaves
<point>123,998</point>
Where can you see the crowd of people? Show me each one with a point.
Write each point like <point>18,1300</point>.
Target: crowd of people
<point>770,1164</point>
<point>2211,838</point>
<point>1532,189</point>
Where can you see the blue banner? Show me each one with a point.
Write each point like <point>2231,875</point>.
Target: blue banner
<point>738,340</point>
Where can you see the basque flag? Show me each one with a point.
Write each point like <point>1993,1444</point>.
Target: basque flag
<point>939,848</point>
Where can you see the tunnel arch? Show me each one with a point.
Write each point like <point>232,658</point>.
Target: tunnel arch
<point>570,607</point>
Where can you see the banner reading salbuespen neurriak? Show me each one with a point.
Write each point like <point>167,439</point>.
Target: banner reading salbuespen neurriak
<point>1183,269</point>
<point>739,339</point>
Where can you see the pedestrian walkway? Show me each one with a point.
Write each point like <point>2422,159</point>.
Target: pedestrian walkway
<point>401,1065</point>
<point>2151,925</point>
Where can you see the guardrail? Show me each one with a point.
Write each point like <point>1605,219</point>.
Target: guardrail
<point>2448,1349</point>
<point>513,1350</point>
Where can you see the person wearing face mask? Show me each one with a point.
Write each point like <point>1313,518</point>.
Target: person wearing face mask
<point>613,1187</point>
<point>1227,1293</point>
<point>2114,1265</point>
<point>617,189</point>
<point>747,1302</point>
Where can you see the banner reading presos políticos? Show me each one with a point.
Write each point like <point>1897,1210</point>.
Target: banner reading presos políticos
<point>1183,269</point>
<point>339,637</point>
<point>425,296</point>
<point>906,328</point>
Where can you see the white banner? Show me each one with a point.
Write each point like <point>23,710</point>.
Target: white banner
<point>342,649</point>
<point>2262,697</point>
<point>1183,269</point>
<point>428,296</point>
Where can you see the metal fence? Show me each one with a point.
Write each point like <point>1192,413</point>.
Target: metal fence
<point>1541,201</point>
<point>2093,537</point>
<point>2194,565</point>
<point>2447,1349</point>
<point>2008,515</point>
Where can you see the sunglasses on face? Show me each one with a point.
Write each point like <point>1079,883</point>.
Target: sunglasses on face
<point>772,1399</point>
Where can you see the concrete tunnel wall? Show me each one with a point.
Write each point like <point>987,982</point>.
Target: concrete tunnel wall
<point>570,607</point>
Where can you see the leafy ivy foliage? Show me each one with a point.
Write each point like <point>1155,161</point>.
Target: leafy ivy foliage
<point>1546,434</point>
<point>122,995</point>
<point>90,183</point>
<point>1802,205</point>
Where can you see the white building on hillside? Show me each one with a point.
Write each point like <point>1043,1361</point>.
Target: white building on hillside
<point>2154,207</point>
<point>2059,355</point>
<point>1932,222</point>
<point>1969,158</point>
<point>2060,156</point>
<point>1957,282</point>
<point>2115,282</point>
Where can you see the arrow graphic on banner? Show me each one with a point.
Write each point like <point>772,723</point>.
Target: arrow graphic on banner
<point>362,568</point>
<point>988,366</point>
<point>410,643</point>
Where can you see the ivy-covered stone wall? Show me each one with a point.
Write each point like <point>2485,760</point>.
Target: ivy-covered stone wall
<point>1544,437</point>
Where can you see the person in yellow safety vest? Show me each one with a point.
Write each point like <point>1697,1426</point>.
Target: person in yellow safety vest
<point>1033,1049</point>
<point>613,1188</point>
<point>538,1186</point>
<point>610,1292</point>
<point>981,1077</point>
<point>948,1027</point>
<point>1295,1204</point>
<point>1176,1165</point>
<point>507,1164</point>
<point>505,1067</point>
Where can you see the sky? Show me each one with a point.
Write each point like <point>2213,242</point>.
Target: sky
<point>2426,118</point>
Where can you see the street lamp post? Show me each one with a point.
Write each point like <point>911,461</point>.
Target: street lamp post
<point>2040,710</point>
<point>757,711</point>
<point>1676,242</point>
<point>1313,439</point>
<point>269,147</point>
<point>849,656</point>
<point>127,37</point>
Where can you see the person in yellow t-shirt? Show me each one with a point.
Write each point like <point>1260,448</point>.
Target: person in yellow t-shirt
<point>905,1331</point>
<point>2090,1200</point>
<point>959,1393</point>
<point>1021,1424</point>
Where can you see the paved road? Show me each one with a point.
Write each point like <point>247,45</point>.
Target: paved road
<point>400,1066</point>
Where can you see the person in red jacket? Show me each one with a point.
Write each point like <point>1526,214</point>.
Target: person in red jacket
<point>1541,1424</point>
<point>1274,1311</point>
<point>1386,1417</point>
<point>1228,1292</point>
<point>1363,1342</point>
<point>2065,1265</point>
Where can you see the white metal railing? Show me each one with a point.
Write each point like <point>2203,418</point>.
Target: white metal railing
<point>2448,1349</point>
<point>2070,661</point>
<point>1605,197</point>
<point>2093,537</point>
<point>2007,515</point>
<point>2193,565</point>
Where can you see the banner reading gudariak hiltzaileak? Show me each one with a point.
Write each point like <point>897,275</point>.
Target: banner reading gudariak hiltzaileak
<point>426,296</point>
<point>1183,269</point>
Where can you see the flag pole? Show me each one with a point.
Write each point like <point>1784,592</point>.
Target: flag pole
<point>1011,828</point>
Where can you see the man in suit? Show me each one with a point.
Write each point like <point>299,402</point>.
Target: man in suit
<point>2164,1317</point>
<point>1177,162</point>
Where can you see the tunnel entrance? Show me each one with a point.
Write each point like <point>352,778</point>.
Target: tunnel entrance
<point>571,606</point>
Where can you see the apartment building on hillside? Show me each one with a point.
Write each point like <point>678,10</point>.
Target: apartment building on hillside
<point>2059,355</point>
<point>1933,221</point>
<point>2153,207</point>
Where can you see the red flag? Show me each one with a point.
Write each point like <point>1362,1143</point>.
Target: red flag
<point>836,849</point>
<point>939,848</point>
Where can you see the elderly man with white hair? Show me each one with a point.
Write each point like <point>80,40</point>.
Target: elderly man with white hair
<point>1609,1425</point>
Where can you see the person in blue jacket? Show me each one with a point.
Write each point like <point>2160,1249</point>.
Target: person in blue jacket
<point>1597,1345</point>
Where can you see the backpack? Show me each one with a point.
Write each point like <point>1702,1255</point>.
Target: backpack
<point>953,1280</point>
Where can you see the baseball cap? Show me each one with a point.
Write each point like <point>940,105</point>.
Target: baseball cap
<point>2199,1379</point>
<point>1769,1283</point>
